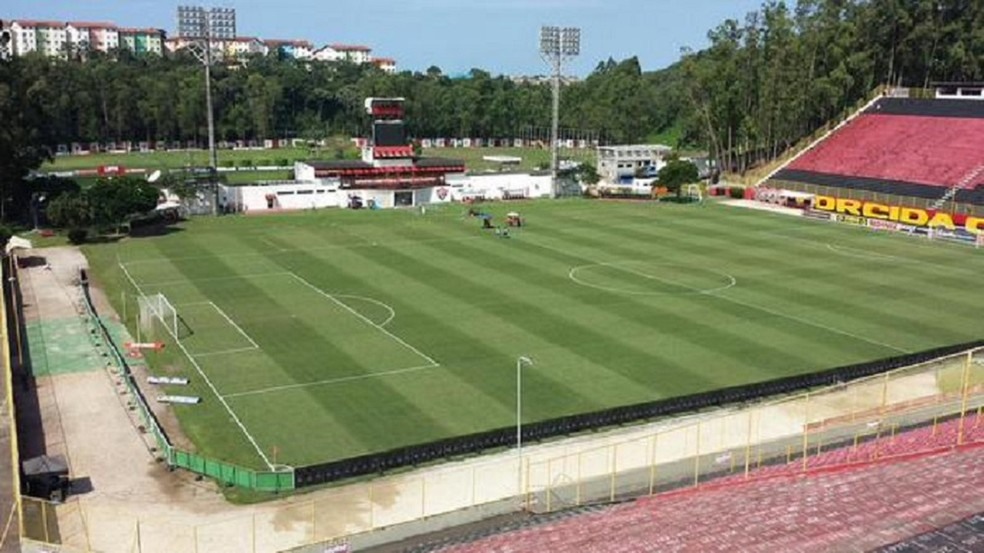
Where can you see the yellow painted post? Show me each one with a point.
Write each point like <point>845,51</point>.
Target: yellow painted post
<point>854,403</point>
<point>85,528</point>
<point>139,541</point>
<point>475,484</point>
<point>806,430</point>
<point>652,465</point>
<point>748,445</point>
<point>578,489</point>
<point>611,491</point>
<point>423,497</point>
<point>936,419</point>
<point>44,521</point>
<point>963,400</point>
<point>528,493</point>
<point>856,436</point>
<point>884,398</point>
<point>372,514</point>
<point>549,482</point>
<point>314,522</point>
<point>253,534</point>
<point>697,459</point>
<point>789,454</point>
<point>759,462</point>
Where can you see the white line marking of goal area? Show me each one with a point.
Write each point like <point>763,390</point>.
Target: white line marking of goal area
<point>330,381</point>
<point>225,352</point>
<point>207,381</point>
<point>364,319</point>
<point>212,279</point>
<point>233,323</point>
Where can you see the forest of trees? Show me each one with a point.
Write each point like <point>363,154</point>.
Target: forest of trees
<point>105,99</point>
<point>761,84</point>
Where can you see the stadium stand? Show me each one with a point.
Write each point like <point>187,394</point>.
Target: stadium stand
<point>902,146</point>
<point>966,536</point>
<point>854,498</point>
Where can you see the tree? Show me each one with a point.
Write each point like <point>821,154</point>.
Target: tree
<point>70,210</point>
<point>114,201</point>
<point>22,142</point>
<point>676,173</point>
<point>588,173</point>
<point>5,234</point>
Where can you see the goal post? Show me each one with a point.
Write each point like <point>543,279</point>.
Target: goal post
<point>157,308</point>
<point>693,192</point>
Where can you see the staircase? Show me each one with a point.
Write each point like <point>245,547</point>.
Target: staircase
<point>964,183</point>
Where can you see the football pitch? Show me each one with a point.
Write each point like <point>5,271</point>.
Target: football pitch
<point>322,335</point>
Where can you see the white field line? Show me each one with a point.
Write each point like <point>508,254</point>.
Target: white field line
<point>272,244</point>
<point>747,304</point>
<point>862,254</point>
<point>770,311</point>
<point>392,312</point>
<point>212,279</point>
<point>331,381</point>
<point>237,327</point>
<point>364,319</point>
<point>190,304</point>
<point>225,352</point>
<point>315,249</point>
<point>207,381</point>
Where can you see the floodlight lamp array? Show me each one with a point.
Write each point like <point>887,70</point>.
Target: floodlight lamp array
<point>550,40</point>
<point>570,41</point>
<point>192,21</point>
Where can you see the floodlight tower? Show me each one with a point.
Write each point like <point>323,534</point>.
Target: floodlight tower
<point>557,46</point>
<point>201,26</point>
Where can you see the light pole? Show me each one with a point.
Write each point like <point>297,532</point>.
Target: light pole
<point>519,415</point>
<point>203,26</point>
<point>557,46</point>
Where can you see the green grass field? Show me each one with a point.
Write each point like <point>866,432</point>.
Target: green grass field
<point>334,333</point>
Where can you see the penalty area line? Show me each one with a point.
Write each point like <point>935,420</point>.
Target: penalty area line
<point>212,279</point>
<point>365,319</point>
<point>225,351</point>
<point>236,326</point>
<point>207,380</point>
<point>331,381</point>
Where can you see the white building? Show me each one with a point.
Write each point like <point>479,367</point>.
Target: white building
<point>58,39</point>
<point>87,36</point>
<point>46,37</point>
<point>388,65</point>
<point>243,46</point>
<point>344,52</point>
<point>296,49</point>
<point>621,164</point>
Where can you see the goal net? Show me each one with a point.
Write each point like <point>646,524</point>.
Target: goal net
<point>692,191</point>
<point>156,309</point>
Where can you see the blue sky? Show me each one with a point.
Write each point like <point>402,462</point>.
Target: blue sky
<point>456,35</point>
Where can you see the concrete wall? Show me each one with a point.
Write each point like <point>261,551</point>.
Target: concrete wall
<point>495,186</point>
<point>309,195</point>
